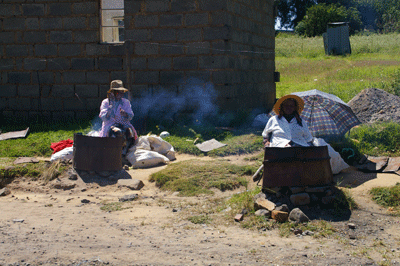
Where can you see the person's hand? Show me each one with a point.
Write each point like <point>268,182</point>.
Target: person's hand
<point>267,144</point>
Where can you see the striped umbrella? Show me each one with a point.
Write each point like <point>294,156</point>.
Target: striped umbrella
<point>326,114</point>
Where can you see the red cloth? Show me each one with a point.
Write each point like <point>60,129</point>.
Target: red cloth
<point>58,146</point>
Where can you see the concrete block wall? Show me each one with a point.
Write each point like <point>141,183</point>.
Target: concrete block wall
<point>53,64</point>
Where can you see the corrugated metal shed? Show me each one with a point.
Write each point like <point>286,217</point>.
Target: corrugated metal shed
<point>336,39</point>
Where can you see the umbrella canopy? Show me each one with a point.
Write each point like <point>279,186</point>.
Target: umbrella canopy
<point>326,114</point>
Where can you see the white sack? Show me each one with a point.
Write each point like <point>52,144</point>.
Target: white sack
<point>159,145</point>
<point>64,154</point>
<point>144,158</point>
<point>337,163</point>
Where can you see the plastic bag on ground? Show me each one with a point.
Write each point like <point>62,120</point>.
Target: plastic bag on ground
<point>144,158</point>
<point>64,154</point>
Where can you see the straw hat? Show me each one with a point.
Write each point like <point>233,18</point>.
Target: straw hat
<point>300,103</point>
<point>117,85</point>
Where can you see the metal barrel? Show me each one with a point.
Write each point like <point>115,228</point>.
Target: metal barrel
<point>97,154</point>
<point>297,166</point>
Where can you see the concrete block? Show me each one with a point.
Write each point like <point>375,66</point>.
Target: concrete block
<point>69,50</point>
<point>87,91</point>
<point>63,116</point>
<point>19,77</point>
<point>86,36</point>
<point>198,76</point>
<point>189,34</point>
<point>45,49</point>
<point>87,7</point>
<point>7,10</point>
<point>221,17</point>
<point>165,34</point>
<point>74,23</point>
<point>142,77</point>
<point>146,49</point>
<point>63,91</point>
<point>3,104</point>
<point>198,48</point>
<point>74,77</point>
<point>28,90</point>
<point>33,9</point>
<point>17,50</point>
<point>8,90</point>
<point>121,75</point>
<point>221,47</point>
<point>32,23</point>
<point>58,64</point>
<point>11,23</point>
<point>183,5</point>
<point>59,9</point>
<point>196,19</point>
<point>175,77</point>
<point>160,63</point>
<point>94,22</point>
<point>93,104</point>
<point>19,104</point>
<point>132,6</point>
<point>213,62</point>
<point>110,63</point>
<point>74,104</point>
<point>43,78</point>
<point>7,37</point>
<point>34,37</point>
<point>34,64</point>
<point>51,104</point>
<point>98,77</point>
<point>61,36</point>
<point>96,49</point>
<point>50,23</point>
<point>138,63</point>
<point>82,63</point>
<point>215,33</point>
<point>208,5</point>
<point>157,5</point>
<point>171,20</point>
<point>172,48</point>
<point>223,77</point>
<point>138,35</point>
<point>187,62</point>
<point>117,49</point>
<point>146,20</point>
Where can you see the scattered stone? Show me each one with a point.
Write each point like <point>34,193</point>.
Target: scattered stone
<point>298,216</point>
<point>282,208</point>
<point>175,210</point>
<point>351,226</point>
<point>262,212</point>
<point>300,199</point>
<point>72,175</point>
<point>64,184</point>
<point>26,160</point>
<point>298,231</point>
<point>308,233</point>
<point>85,201</point>
<point>129,197</point>
<point>296,190</point>
<point>373,164</point>
<point>239,217</point>
<point>126,167</point>
<point>9,168</point>
<point>134,184</point>
<point>4,192</point>
<point>18,220</point>
<point>316,189</point>
<point>279,216</point>
<point>260,195</point>
<point>264,204</point>
<point>352,235</point>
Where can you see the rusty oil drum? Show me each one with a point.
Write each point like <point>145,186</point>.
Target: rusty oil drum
<point>97,154</point>
<point>297,166</point>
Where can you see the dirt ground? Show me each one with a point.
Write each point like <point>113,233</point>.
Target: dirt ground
<point>42,225</point>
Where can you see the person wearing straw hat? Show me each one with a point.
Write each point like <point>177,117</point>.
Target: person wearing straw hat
<point>287,129</point>
<point>116,113</point>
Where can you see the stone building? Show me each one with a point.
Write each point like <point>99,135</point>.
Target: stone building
<point>57,57</point>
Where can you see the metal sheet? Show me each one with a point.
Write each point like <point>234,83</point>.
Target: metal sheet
<point>393,165</point>
<point>210,145</point>
<point>297,166</point>
<point>14,135</point>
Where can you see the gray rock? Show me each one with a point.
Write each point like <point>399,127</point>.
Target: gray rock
<point>134,184</point>
<point>300,199</point>
<point>131,197</point>
<point>298,216</point>
<point>316,189</point>
<point>85,201</point>
<point>296,190</point>
<point>4,192</point>
<point>259,195</point>
<point>282,208</point>
<point>262,212</point>
<point>351,226</point>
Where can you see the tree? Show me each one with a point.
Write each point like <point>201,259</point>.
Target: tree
<point>318,17</point>
<point>291,12</point>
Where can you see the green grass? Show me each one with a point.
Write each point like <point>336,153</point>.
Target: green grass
<point>113,206</point>
<point>320,228</point>
<point>387,197</point>
<point>31,170</point>
<point>303,65</point>
<point>196,177</point>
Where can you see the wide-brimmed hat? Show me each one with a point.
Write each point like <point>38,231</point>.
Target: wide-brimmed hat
<point>117,85</point>
<point>300,103</point>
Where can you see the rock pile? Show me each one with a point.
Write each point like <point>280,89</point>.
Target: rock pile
<point>281,204</point>
<point>374,105</point>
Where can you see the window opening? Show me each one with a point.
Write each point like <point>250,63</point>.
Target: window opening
<point>112,21</point>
